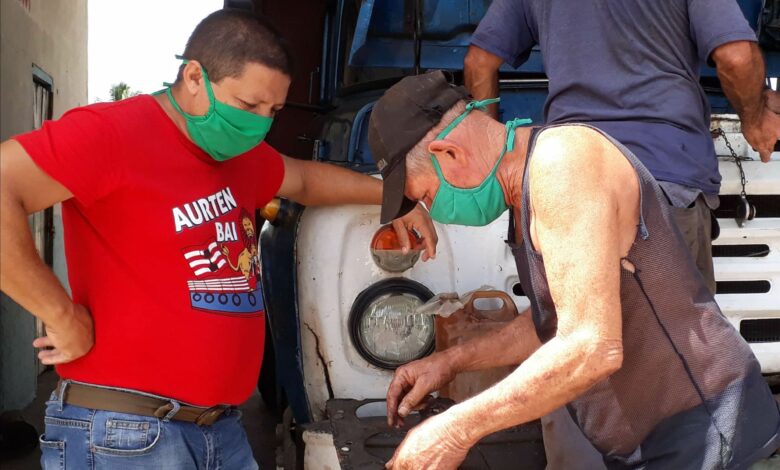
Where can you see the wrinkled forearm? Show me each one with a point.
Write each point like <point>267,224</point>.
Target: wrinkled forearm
<point>741,71</point>
<point>510,345</point>
<point>554,375</point>
<point>325,184</point>
<point>23,275</point>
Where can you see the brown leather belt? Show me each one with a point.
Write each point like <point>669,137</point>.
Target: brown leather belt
<point>118,401</point>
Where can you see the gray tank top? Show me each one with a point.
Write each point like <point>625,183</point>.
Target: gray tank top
<point>690,394</point>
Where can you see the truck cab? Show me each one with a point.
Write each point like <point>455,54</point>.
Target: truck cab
<point>341,317</point>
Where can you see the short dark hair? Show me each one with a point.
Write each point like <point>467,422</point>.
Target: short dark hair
<point>228,39</point>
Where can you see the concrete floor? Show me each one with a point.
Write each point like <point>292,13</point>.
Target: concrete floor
<point>259,425</point>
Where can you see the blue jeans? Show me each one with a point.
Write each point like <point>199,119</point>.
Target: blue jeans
<point>83,438</point>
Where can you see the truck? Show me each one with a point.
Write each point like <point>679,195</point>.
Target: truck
<point>330,287</point>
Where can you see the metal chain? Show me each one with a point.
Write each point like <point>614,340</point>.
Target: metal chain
<point>738,160</point>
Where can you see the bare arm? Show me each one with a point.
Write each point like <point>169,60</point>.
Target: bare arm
<point>742,72</point>
<point>322,184</point>
<point>480,71</point>
<point>24,189</point>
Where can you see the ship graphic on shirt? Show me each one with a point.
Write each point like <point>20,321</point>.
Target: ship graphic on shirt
<point>226,270</point>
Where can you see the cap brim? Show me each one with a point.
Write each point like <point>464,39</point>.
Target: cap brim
<point>394,203</point>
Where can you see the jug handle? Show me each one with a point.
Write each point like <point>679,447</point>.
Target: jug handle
<point>508,307</point>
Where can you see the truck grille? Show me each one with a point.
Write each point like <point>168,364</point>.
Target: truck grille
<point>742,287</point>
<point>740,251</point>
<point>767,205</point>
<point>760,331</point>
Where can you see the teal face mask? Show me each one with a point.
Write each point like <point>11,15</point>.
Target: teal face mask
<point>224,131</point>
<point>476,206</point>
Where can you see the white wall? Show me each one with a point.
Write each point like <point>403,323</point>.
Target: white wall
<point>52,34</point>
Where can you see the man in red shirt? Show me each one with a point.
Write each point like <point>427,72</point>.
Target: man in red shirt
<point>163,335</point>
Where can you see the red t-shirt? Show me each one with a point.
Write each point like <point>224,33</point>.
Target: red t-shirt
<point>161,247</point>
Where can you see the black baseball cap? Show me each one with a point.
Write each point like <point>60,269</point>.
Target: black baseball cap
<point>399,120</point>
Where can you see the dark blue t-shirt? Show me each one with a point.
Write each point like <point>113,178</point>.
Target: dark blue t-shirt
<point>628,67</point>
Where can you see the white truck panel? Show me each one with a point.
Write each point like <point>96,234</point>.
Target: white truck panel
<point>335,265</point>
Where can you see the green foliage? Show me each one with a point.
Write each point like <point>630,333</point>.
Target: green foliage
<point>121,91</point>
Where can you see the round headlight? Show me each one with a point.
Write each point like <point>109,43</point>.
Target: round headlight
<point>384,326</point>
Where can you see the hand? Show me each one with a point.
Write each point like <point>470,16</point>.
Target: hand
<point>413,382</point>
<point>764,133</point>
<point>419,220</point>
<point>71,337</point>
<point>772,100</point>
<point>225,250</point>
<point>434,444</point>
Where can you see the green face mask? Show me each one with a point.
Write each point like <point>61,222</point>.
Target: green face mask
<point>224,131</point>
<point>476,206</point>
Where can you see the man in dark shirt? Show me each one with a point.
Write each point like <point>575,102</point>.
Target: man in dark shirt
<point>631,69</point>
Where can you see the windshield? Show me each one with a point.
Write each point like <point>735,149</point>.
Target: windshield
<point>381,41</point>
<point>353,76</point>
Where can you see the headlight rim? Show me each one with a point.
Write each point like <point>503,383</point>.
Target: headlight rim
<point>393,285</point>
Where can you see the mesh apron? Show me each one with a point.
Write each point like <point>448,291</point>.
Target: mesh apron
<point>689,394</point>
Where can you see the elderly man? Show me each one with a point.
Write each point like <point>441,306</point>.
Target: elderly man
<point>623,328</point>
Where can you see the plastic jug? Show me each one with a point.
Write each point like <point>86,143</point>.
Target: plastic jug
<point>466,324</point>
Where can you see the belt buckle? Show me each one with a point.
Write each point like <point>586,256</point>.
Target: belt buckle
<point>210,416</point>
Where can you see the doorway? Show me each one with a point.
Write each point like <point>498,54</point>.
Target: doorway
<point>42,223</point>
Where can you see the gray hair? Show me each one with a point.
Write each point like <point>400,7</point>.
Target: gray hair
<point>418,159</point>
